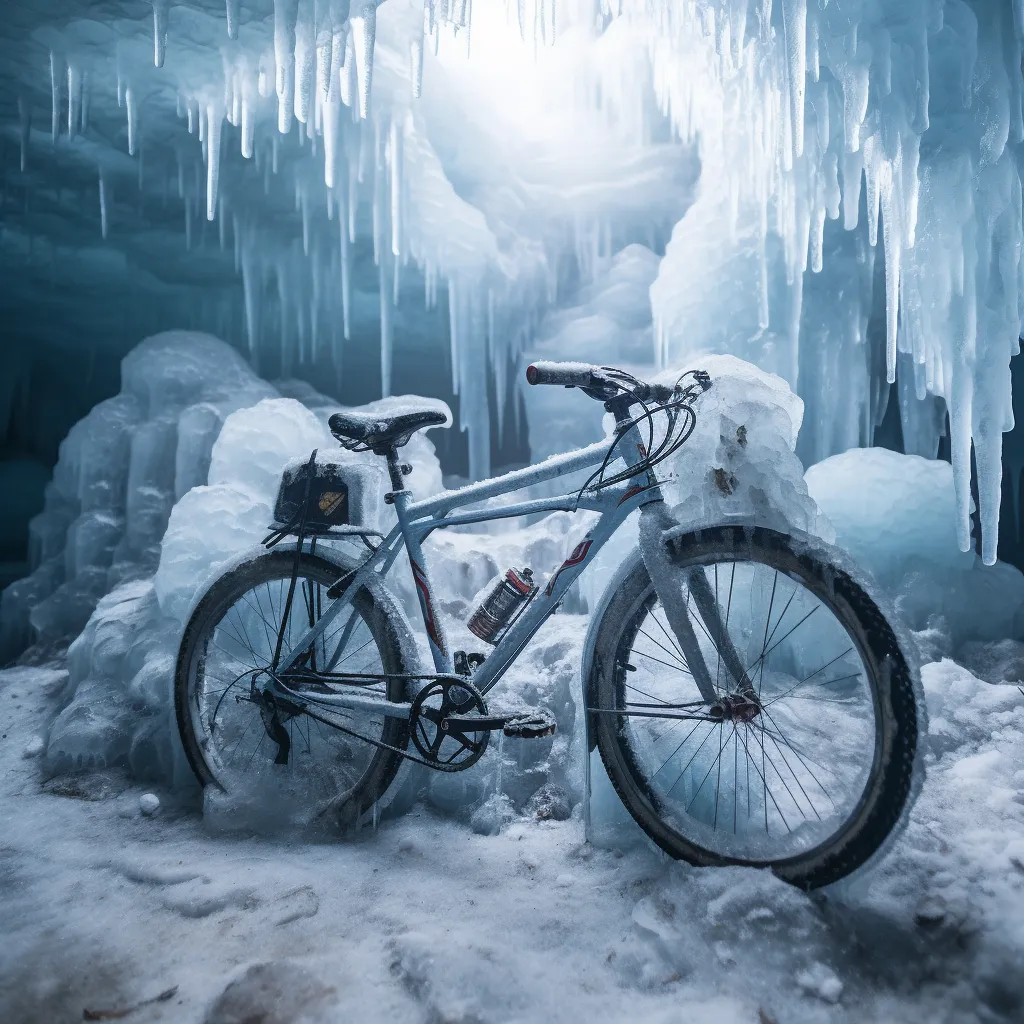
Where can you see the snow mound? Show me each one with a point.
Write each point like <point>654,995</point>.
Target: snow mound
<point>895,515</point>
<point>740,461</point>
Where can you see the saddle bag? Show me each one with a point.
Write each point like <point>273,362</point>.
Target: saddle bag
<point>332,489</point>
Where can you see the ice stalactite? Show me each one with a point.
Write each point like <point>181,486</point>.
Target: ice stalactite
<point>74,100</point>
<point>215,124</point>
<point>363,29</point>
<point>248,127</point>
<point>901,104</point>
<point>56,78</point>
<point>396,164</point>
<point>305,60</point>
<point>285,15</point>
<point>132,109</point>
<point>104,216</point>
<point>24,127</point>
<point>232,11</point>
<point>159,32</point>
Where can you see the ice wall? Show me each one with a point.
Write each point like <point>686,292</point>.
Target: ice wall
<point>859,205</point>
<point>119,473</point>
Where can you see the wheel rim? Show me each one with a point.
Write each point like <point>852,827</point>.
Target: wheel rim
<point>324,764</point>
<point>785,768</point>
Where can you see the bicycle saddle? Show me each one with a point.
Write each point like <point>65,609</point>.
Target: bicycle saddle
<point>379,431</point>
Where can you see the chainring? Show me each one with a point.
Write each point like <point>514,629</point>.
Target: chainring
<point>448,751</point>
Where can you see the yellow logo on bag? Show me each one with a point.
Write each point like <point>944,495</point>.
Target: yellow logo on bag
<point>330,501</point>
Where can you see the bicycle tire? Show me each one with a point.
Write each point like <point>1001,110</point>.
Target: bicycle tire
<point>889,675</point>
<point>381,621</point>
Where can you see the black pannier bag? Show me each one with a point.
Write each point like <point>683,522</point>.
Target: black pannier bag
<point>330,491</point>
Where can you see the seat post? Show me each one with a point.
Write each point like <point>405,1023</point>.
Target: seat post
<point>395,470</point>
<point>435,629</point>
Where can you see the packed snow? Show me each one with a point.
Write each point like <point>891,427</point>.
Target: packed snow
<point>117,894</point>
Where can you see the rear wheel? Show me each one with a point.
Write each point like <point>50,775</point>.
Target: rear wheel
<point>806,764</point>
<point>230,641</point>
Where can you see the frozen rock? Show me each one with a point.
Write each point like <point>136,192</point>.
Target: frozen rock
<point>277,992</point>
<point>149,804</point>
<point>549,803</point>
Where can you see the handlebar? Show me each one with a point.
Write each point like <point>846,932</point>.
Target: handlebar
<point>605,382</point>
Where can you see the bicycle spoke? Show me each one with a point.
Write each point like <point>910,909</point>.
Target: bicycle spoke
<point>669,637</point>
<point>671,654</point>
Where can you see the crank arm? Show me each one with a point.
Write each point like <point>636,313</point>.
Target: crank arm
<point>523,726</point>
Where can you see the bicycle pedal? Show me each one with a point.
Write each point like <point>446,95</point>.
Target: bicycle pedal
<point>531,727</point>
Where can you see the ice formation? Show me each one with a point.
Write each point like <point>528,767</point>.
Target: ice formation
<point>858,216</point>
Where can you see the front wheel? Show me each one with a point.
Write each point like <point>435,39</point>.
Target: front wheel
<point>805,763</point>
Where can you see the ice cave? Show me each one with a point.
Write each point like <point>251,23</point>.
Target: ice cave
<point>555,457</point>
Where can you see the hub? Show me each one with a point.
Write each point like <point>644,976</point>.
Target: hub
<point>736,707</point>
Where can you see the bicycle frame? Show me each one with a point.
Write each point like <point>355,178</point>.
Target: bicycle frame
<point>418,519</point>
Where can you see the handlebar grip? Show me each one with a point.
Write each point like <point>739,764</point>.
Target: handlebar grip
<point>570,375</point>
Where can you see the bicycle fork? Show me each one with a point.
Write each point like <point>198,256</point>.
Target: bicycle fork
<point>655,520</point>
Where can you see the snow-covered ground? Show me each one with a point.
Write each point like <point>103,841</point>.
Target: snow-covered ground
<point>105,907</point>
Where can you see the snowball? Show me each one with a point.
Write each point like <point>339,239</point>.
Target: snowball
<point>34,747</point>
<point>149,804</point>
<point>821,981</point>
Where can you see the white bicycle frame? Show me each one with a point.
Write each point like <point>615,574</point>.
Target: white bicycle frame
<point>418,519</point>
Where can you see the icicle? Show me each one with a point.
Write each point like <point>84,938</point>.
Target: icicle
<point>104,222</point>
<point>364,31</point>
<point>304,206</point>
<point>232,11</point>
<point>331,118</point>
<point>347,74</point>
<point>159,32</point>
<point>794,20</point>
<point>813,48</point>
<point>56,77</point>
<point>305,60</point>
<point>191,110</point>
<point>416,64</point>
<point>74,100</point>
<point>853,167</point>
<point>892,234</point>
<point>25,127</point>
<point>85,102</point>
<point>133,119</point>
<point>397,159</point>
<point>324,56</point>
<point>386,332</point>
<point>346,283</point>
<point>248,127</point>
<point>353,203</point>
<point>215,120</point>
<point>285,15</point>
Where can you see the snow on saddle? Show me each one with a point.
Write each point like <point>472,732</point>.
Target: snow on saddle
<point>381,431</point>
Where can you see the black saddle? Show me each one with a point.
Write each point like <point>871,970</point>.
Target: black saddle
<point>380,432</point>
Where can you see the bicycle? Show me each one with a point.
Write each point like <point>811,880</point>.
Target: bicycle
<point>750,702</point>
